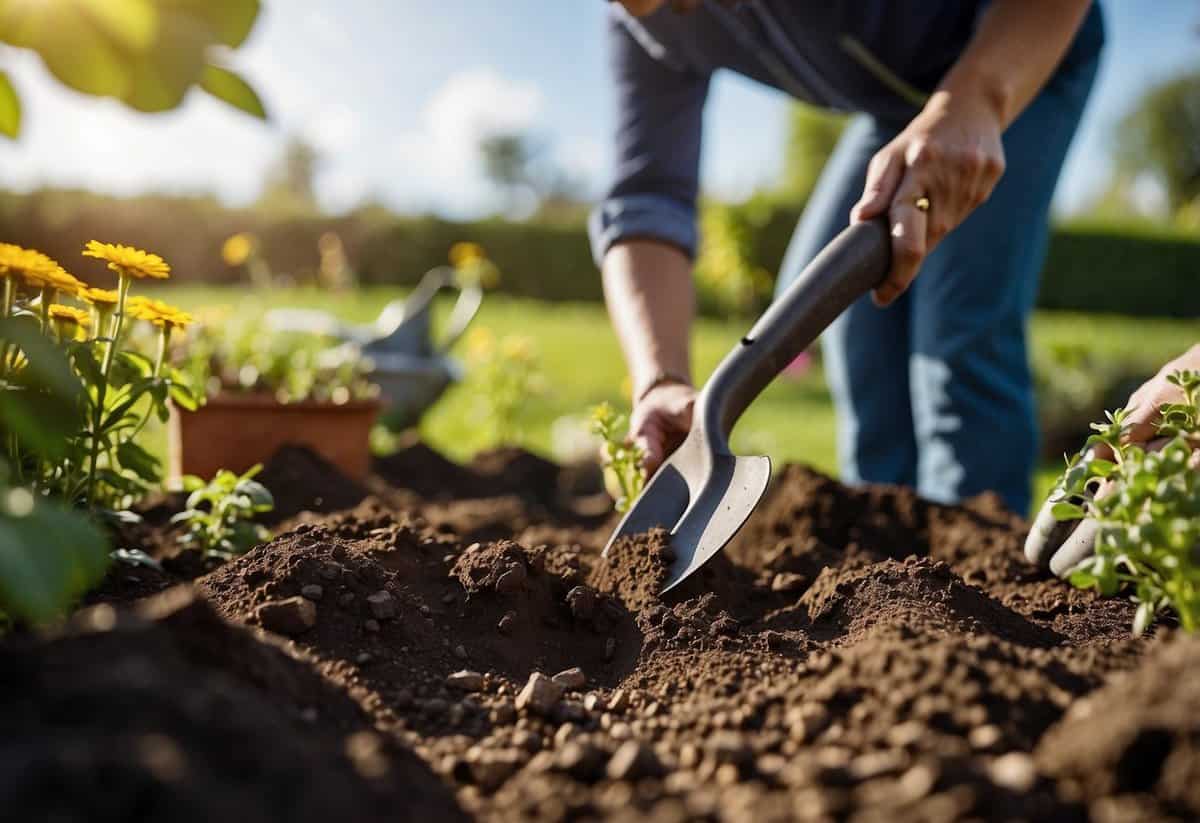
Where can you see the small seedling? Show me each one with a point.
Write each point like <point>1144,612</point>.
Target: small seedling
<point>219,514</point>
<point>623,460</point>
<point>1147,505</point>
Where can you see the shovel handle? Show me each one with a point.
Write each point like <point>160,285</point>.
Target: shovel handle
<point>855,262</point>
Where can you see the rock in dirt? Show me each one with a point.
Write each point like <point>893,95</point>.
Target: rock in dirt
<point>572,678</point>
<point>541,694</point>
<point>1014,771</point>
<point>489,769</point>
<point>312,592</point>
<point>292,616</point>
<point>581,759</point>
<point>466,681</point>
<point>632,761</point>
<point>382,605</point>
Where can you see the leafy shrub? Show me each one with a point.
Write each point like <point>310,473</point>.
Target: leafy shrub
<point>219,515</point>
<point>1147,505</point>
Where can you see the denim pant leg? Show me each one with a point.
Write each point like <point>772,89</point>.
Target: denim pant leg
<point>972,392</point>
<point>866,351</point>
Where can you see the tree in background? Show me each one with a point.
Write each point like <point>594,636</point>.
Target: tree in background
<point>812,136</point>
<point>146,53</point>
<point>1159,139</point>
<point>291,185</point>
<point>522,169</point>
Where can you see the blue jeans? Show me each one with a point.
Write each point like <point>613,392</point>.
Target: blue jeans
<point>935,391</point>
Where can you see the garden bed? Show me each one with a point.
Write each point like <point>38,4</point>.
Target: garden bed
<point>854,654</point>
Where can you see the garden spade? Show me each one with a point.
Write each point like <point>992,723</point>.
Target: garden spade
<point>703,493</point>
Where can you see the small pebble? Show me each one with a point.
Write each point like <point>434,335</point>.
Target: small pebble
<point>1014,771</point>
<point>572,678</point>
<point>540,694</point>
<point>312,591</point>
<point>465,680</point>
<point>507,623</point>
<point>371,624</point>
<point>292,616</point>
<point>382,605</point>
<point>460,652</point>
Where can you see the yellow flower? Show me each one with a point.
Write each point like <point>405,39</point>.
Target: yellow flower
<point>480,343</point>
<point>158,313</point>
<point>465,254</point>
<point>517,347</point>
<point>128,261</point>
<point>35,269</point>
<point>237,249</point>
<point>70,314</point>
<point>99,297</point>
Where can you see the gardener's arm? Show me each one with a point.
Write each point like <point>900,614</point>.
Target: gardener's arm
<point>644,234</point>
<point>951,152</point>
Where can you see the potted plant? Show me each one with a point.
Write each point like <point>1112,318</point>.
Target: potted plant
<point>266,391</point>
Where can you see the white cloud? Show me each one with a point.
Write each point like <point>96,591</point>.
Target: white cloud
<point>438,161</point>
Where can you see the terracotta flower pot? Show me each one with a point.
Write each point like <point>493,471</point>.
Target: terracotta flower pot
<point>236,431</point>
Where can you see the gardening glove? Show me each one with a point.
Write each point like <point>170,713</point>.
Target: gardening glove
<point>1060,546</point>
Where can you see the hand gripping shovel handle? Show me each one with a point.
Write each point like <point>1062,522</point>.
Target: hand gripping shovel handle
<point>855,262</point>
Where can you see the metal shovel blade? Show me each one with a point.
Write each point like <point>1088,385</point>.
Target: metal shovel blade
<point>702,498</point>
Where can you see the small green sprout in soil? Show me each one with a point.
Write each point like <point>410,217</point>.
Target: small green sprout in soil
<point>623,460</point>
<point>1147,505</point>
<point>220,513</point>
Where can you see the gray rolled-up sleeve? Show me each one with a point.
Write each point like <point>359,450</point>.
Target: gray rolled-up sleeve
<point>660,106</point>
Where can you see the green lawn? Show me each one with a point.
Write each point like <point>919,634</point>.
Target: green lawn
<point>792,421</point>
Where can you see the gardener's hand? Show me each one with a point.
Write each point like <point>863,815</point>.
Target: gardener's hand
<point>929,178</point>
<point>1062,545</point>
<point>661,420</point>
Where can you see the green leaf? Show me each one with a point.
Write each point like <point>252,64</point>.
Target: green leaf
<point>10,108</point>
<point>44,409</point>
<point>230,21</point>
<point>229,87</point>
<point>1067,511</point>
<point>139,461</point>
<point>162,77</point>
<point>49,555</point>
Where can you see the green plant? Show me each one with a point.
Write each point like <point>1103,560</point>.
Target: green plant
<point>504,374</point>
<point>220,513</point>
<point>146,53</point>
<point>623,460</point>
<point>238,356</point>
<point>1147,505</point>
<point>49,553</point>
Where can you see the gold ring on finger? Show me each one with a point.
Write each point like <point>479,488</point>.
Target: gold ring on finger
<point>922,203</point>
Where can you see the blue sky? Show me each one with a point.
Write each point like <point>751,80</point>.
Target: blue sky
<point>395,95</point>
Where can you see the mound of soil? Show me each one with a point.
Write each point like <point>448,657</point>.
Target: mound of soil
<point>1131,750</point>
<point>175,715</point>
<point>853,654</point>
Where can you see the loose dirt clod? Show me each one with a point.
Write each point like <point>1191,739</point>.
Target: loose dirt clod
<point>382,605</point>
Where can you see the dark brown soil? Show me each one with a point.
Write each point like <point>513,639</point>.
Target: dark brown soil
<point>853,655</point>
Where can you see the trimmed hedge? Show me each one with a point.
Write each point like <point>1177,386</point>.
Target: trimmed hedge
<point>1099,268</point>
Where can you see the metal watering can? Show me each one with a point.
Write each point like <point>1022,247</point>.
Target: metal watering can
<point>411,369</point>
